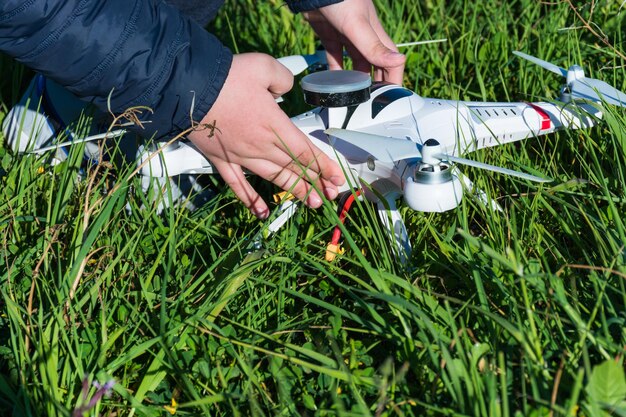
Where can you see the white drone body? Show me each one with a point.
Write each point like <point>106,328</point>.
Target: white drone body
<point>392,143</point>
<point>402,117</point>
<point>398,166</point>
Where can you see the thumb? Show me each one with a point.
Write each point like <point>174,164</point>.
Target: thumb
<point>365,39</point>
<point>384,57</point>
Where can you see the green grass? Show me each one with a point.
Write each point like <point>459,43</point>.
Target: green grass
<point>513,313</point>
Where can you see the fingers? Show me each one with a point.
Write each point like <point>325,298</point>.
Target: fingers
<point>374,51</point>
<point>356,21</point>
<point>297,180</point>
<point>334,54</point>
<point>303,183</point>
<point>329,37</point>
<point>393,73</point>
<point>298,147</point>
<point>359,62</point>
<point>234,177</point>
<point>290,181</point>
<point>310,173</point>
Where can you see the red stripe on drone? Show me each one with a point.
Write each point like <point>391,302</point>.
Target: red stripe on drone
<point>545,118</point>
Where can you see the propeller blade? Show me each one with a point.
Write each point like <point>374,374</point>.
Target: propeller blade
<point>544,64</point>
<point>493,168</point>
<point>582,87</point>
<point>383,148</point>
<point>597,90</point>
<point>388,149</point>
<point>106,135</point>
<point>298,63</point>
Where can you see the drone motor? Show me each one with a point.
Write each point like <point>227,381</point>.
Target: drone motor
<point>433,188</point>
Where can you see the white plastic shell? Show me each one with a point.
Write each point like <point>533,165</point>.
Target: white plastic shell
<point>433,198</point>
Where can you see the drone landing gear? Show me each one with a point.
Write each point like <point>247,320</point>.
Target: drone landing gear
<point>286,210</point>
<point>392,220</point>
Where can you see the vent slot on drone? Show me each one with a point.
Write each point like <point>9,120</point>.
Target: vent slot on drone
<point>482,113</point>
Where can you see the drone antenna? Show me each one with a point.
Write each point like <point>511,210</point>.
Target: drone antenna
<point>406,44</point>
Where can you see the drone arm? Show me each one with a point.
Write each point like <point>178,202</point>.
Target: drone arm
<point>173,159</point>
<point>493,124</point>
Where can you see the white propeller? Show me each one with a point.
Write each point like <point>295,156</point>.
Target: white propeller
<point>383,148</point>
<point>431,154</point>
<point>544,64</point>
<point>580,86</point>
<point>388,149</point>
<point>106,135</point>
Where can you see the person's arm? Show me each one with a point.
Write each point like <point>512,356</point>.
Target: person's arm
<point>137,52</point>
<point>146,53</point>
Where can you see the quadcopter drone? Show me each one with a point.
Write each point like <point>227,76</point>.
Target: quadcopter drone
<point>394,144</point>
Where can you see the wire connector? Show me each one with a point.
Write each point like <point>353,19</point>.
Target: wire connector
<point>332,250</point>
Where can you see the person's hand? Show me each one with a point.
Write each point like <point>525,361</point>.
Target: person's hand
<point>251,132</point>
<point>354,25</point>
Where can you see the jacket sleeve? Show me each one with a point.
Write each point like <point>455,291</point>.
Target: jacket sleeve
<point>306,5</point>
<point>138,52</point>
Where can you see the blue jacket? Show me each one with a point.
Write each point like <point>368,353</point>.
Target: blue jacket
<point>131,52</point>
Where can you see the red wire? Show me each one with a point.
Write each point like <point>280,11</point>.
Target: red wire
<point>342,216</point>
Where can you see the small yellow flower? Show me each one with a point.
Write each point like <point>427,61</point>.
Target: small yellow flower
<point>40,170</point>
<point>338,390</point>
<point>171,408</point>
